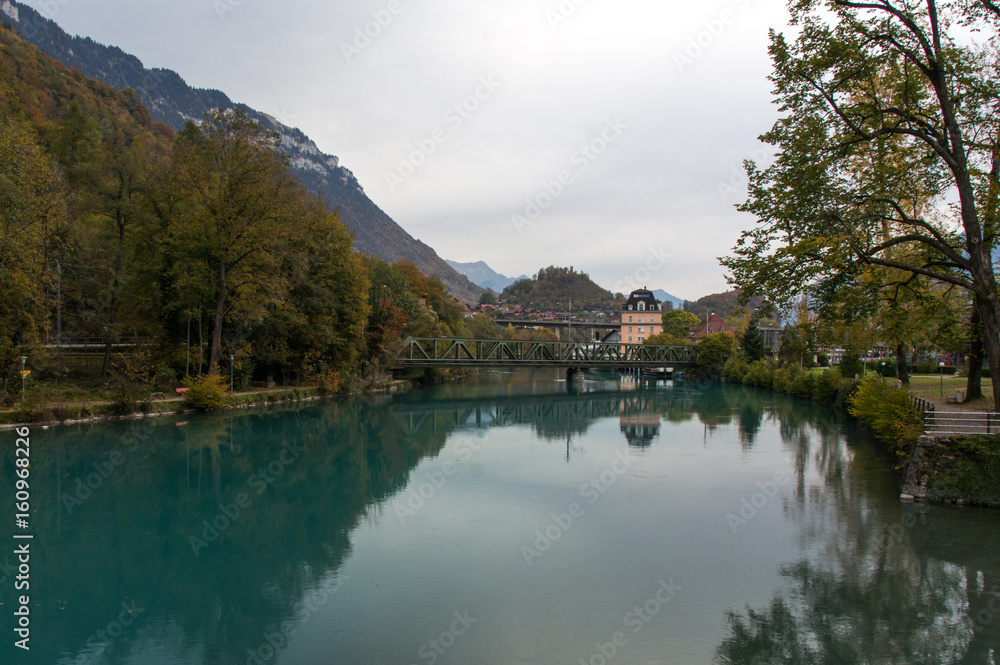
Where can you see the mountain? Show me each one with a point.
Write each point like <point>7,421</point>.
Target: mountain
<point>483,275</point>
<point>172,101</point>
<point>663,296</point>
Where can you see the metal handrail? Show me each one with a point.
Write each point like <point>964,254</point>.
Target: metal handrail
<point>962,422</point>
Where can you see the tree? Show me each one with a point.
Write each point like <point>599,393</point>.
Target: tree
<point>713,352</point>
<point>392,309</point>
<point>120,207</point>
<point>489,297</point>
<point>480,326</point>
<point>32,204</point>
<point>886,119</point>
<point>667,339</point>
<point>752,341</point>
<point>678,323</point>
<point>241,209</point>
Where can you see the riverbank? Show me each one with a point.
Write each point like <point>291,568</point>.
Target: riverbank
<point>94,411</point>
<point>951,470</point>
<point>959,470</point>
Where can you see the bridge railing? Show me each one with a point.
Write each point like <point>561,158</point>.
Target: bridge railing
<point>429,350</point>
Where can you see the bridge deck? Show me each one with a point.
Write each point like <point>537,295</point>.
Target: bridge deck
<point>437,352</point>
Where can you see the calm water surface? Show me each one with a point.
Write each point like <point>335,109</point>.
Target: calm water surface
<point>514,519</point>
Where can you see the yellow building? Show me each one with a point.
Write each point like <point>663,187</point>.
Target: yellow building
<point>642,317</point>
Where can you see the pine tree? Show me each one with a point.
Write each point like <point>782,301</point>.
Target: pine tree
<point>753,341</point>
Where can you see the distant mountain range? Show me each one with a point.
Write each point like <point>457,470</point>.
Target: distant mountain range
<point>172,101</point>
<point>483,275</point>
<point>663,296</point>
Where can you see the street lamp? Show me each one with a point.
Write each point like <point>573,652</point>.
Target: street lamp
<point>24,377</point>
<point>941,366</point>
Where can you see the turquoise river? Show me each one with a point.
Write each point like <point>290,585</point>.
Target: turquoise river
<point>512,519</point>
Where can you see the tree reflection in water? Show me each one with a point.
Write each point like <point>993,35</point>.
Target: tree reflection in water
<point>870,585</point>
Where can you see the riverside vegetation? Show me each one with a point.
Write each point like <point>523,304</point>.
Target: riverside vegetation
<point>198,249</point>
<point>963,468</point>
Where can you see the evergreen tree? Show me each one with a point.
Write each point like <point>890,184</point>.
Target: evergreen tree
<point>752,341</point>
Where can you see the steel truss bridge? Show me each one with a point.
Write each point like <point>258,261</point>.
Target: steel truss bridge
<point>468,353</point>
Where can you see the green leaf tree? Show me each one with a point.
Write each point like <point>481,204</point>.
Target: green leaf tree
<point>32,204</point>
<point>886,120</point>
<point>678,323</point>
<point>241,210</point>
<point>713,352</point>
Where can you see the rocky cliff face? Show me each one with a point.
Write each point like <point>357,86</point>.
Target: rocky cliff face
<point>172,101</point>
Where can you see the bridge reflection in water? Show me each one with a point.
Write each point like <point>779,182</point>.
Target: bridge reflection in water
<point>638,406</point>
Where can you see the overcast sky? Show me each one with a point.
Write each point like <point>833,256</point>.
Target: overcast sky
<point>607,135</point>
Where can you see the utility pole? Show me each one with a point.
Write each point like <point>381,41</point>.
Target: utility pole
<point>569,334</point>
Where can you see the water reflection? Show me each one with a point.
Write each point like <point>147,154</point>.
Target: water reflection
<point>213,537</point>
<point>875,581</point>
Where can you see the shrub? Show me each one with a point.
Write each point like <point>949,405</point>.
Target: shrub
<point>889,412</point>
<point>850,364</point>
<point>803,383</point>
<point>129,375</point>
<point>928,367</point>
<point>330,382</point>
<point>205,392</point>
<point>823,360</point>
<point>783,378</point>
<point>165,377</point>
<point>886,367</point>
<point>713,352</point>
<point>759,374</point>
<point>826,385</point>
<point>735,369</point>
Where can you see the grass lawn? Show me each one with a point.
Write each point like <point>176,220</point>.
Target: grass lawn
<point>930,386</point>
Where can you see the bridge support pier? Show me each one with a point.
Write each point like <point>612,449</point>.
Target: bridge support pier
<point>574,374</point>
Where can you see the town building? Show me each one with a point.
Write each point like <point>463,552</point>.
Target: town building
<point>642,317</point>
<point>713,323</point>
